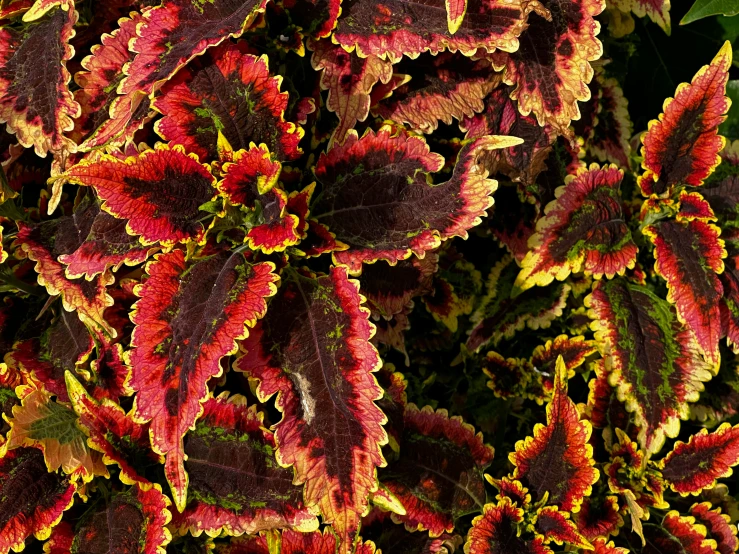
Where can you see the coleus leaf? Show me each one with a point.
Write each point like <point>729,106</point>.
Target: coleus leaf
<point>44,243</point>
<point>313,351</point>
<point>395,29</point>
<point>557,462</point>
<point>604,410</point>
<point>501,117</point>
<point>349,80</point>
<point>509,377</point>
<point>379,528</point>
<point>377,199</point>
<point>64,346</point>
<point>52,427</point>
<point>188,317</point>
<point>107,118</point>
<point>114,433</point>
<point>730,281</point>
<point>584,229</point>
<point>235,95</point>
<point>103,241</point>
<point>689,255</point>
<point>718,525</point>
<point>598,517</point>
<point>678,534</point>
<point>438,476</point>
<point>292,542</point>
<point>33,500</point>
<point>132,521</point>
<point>501,316</point>
<point>159,191</point>
<point>683,145</point>
<point>656,370</point>
<point>175,32</point>
<point>574,351</point>
<point>250,181</point>
<point>555,525</point>
<point>657,10</point>
<point>452,87</point>
<point>695,465</point>
<point>455,289</point>
<point>613,127</point>
<point>551,69</point>
<point>498,531</point>
<point>390,289</point>
<point>236,485</point>
<point>33,57</point>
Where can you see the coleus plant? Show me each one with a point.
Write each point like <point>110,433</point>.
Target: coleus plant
<point>228,224</point>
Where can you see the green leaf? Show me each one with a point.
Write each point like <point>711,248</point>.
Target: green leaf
<point>705,8</point>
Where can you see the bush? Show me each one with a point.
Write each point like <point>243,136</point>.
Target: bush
<point>270,271</point>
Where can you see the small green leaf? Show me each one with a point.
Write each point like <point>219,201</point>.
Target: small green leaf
<point>705,8</point>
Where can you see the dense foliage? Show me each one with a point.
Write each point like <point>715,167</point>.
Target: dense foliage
<point>270,271</point>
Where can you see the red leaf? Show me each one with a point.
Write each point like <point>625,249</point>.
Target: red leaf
<point>558,460</point>
<point>131,521</point>
<point>236,485</point>
<point>114,433</point>
<point>159,191</point>
<point>209,98</point>
<point>718,525</point>
<point>376,197</point>
<point>438,476</point>
<point>498,531</point>
<point>32,500</point>
<point>682,146</point>
<point>688,256</point>
<point>33,58</point>
<point>332,435</point>
<point>695,465</point>
<point>678,534</point>
<point>189,317</point>
<point>394,29</point>
<point>554,525</point>
<point>584,230</point>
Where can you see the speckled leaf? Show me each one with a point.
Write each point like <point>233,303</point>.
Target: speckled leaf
<point>233,93</point>
<point>658,369</point>
<point>498,531</point>
<point>313,351</point>
<point>188,317</point>
<point>236,485</point>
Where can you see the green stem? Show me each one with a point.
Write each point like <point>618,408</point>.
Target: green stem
<point>13,281</point>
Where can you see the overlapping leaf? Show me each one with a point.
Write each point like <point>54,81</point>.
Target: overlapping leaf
<point>657,10</point>
<point>313,351</point>
<point>189,317</point>
<point>232,93</point>
<point>132,521</point>
<point>683,145</point>
<point>498,531</point>
<point>654,363</point>
<point>395,29</point>
<point>114,433</point>
<point>678,534</point>
<point>551,69</point>
<point>557,462</point>
<point>584,229</point>
<point>438,476</point>
<point>377,197</point>
<point>349,80</point>
<point>501,316</point>
<point>159,191</point>
<point>718,525</point>
<point>236,485</point>
<point>689,255</point>
<point>32,58</point>
<point>695,465</point>
<point>32,499</point>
